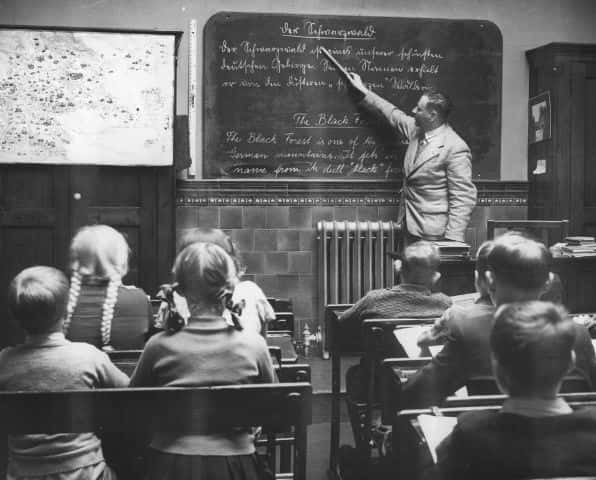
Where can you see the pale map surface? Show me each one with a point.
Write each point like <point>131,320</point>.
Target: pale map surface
<point>86,98</point>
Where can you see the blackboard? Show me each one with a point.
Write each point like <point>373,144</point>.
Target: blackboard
<point>274,107</point>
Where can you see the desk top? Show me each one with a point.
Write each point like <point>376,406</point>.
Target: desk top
<point>284,342</point>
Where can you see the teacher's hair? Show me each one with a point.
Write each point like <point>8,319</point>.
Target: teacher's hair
<point>439,102</point>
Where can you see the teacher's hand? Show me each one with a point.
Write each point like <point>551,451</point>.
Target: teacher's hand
<point>356,86</point>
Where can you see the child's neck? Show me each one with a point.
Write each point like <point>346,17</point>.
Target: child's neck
<point>205,310</point>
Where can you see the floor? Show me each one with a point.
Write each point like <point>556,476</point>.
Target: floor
<point>319,432</point>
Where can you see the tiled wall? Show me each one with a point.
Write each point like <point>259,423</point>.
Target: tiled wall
<point>278,242</point>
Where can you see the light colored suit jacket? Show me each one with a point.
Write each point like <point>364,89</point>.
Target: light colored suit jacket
<point>438,195</point>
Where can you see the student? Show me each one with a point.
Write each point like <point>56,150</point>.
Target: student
<point>206,351</point>
<point>411,298</point>
<point>518,271</point>
<point>255,311</point>
<point>535,434</point>
<point>47,361</point>
<point>101,311</point>
<point>482,306</point>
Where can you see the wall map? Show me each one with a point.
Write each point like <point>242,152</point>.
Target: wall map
<point>78,97</point>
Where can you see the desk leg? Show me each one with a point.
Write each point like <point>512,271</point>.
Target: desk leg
<point>335,411</point>
<point>325,340</point>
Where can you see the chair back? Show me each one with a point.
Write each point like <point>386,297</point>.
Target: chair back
<point>487,385</point>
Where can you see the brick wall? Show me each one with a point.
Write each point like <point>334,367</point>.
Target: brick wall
<point>278,242</point>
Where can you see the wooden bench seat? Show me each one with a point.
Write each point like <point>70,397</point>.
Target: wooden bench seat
<point>277,408</point>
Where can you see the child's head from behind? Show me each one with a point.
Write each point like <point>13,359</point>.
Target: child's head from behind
<point>211,235</point>
<point>532,346</point>
<point>204,273</point>
<point>100,251</point>
<point>420,263</point>
<point>37,299</point>
<point>481,268</point>
<point>518,269</point>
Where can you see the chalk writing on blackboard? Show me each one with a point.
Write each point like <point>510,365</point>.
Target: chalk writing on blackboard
<point>276,107</point>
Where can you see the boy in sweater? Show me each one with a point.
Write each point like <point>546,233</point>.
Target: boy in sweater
<point>47,361</point>
<point>411,298</point>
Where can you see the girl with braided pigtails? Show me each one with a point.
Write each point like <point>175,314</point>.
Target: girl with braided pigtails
<point>100,309</point>
<point>252,307</point>
<point>204,349</point>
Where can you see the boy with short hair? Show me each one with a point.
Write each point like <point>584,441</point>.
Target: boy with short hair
<point>47,361</point>
<point>535,434</point>
<point>482,306</point>
<point>412,298</point>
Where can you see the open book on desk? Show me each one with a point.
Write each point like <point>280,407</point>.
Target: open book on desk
<point>408,339</point>
<point>435,429</point>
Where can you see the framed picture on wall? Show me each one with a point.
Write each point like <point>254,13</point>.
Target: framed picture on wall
<point>539,121</point>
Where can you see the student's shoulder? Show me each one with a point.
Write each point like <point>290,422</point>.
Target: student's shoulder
<point>250,338</point>
<point>248,288</point>
<point>132,291</point>
<point>442,298</point>
<point>470,314</point>
<point>162,339</point>
<point>478,421</point>
<point>8,352</point>
<point>585,415</point>
<point>84,351</point>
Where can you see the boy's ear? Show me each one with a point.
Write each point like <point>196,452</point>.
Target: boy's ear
<point>490,279</point>
<point>549,281</point>
<point>397,266</point>
<point>500,376</point>
<point>572,361</point>
<point>436,277</point>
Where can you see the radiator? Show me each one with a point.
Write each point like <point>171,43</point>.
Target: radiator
<point>352,260</point>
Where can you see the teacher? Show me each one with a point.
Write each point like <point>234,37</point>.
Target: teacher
<point>438,196</point>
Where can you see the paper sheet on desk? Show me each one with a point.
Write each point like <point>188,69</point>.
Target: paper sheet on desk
<point>434,349</point>
<point>435,430</point>
<point>408,338</point>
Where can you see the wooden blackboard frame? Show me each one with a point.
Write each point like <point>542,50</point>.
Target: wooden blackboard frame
<point>215,101</point>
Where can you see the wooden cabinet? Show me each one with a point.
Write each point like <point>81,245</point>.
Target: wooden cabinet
<point>42,206</point>
<point>567,189</point>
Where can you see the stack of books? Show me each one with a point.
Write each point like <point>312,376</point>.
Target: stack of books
<point>452,250</point>
<point>579,246</point>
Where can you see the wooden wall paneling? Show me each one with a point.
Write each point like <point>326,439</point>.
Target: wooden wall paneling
<point>33,226</point>
<point>588,158</point>
<point>165,223</point>
<point>576,160</point>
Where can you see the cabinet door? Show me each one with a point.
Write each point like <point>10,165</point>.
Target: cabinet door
<point>583,148</point>
<point>34,219</point>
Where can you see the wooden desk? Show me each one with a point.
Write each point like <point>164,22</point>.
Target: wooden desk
<point>284,342</point>
<point>578,276</point>
<point>333,338</point>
